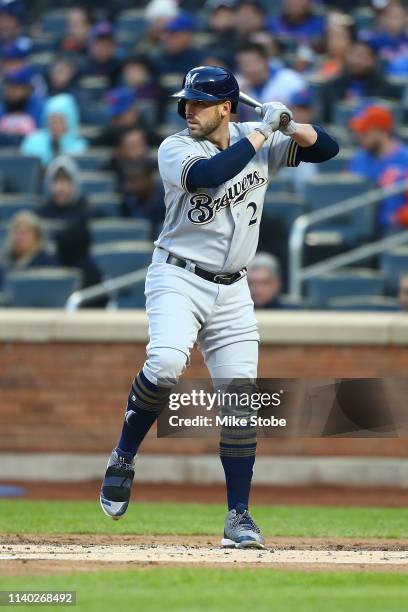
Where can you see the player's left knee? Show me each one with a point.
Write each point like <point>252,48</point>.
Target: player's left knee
<point>165,365</point>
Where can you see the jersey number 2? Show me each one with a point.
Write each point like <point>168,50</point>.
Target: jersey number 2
<point>253,219</point>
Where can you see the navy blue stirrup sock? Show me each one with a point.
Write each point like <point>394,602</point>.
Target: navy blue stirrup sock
<point>237,454</point>
<point>145,402</point>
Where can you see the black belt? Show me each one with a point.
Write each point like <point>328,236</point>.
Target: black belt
<point>220,279</point>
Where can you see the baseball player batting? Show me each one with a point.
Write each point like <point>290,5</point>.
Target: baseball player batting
<point>215,173</point>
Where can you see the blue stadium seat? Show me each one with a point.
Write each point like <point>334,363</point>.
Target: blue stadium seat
<point>94,87</point>
<point>89,132</point>
<point>41,287</point>
<point>346,282</point>
<point>9,140</point>
<point>43,44</point>
<point>54,23</point>
<point>285,206</point>
<point>104,205</point>
<point>337,164</point>
<point>3,235</point>
<point>393,264</point>
<point>344,111</point>
<point>171,82</point>
<point>364,303</point>
<point>119,258</point>
<point>326,189</point>
<point>41,62</point>
<point>115,230</point>
<point>364,18</point>
<point>279,184</point>
<point>322,244</point>
<point>133,297</point>
<point>10,205</point>
<point>403,133</point>
<point>167,129</point>
<point>173,118</point>
<point>92,112</point>
<point>21,173</point>
<point>130,25</point>
<point>97,182</point>
<point>93,159</point>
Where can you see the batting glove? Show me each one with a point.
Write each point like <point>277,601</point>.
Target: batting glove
<point>276,116</point>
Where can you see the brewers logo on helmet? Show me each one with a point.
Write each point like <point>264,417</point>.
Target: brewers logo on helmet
<point>209,84</point>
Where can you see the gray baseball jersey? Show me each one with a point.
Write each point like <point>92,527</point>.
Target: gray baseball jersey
<point>217,228</point>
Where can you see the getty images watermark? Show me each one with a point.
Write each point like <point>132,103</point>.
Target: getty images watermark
<point>318,407</point>
<point>224,401</point>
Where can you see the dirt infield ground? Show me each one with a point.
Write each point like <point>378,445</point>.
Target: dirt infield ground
<point>50,554</point>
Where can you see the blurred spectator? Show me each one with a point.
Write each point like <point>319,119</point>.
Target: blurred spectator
<point>73,245</point>
<point>304,61</point>
<point>25,244</point>
<point>179,55</point>
<point>215,60</point>
<point>103,60</point>
<point>79,23</point>
<point>138,74</point>
<point>403,292</point>
<point>338,38</point>
<point>14,57</point>
<point>161,9</point>
<point>301,104</point>
<point>132,147</point>
<point>249,18</point>
<point>390,38</point>
<point>143,196</point>
<point>60,134</point>
<point>121,107</point>
<point>362,77</point>
<point>122,113</point>
<point>158,14</point>
<point>384,159</point>
<point>221,18</point>
<point>21,109</point>
<point>62,189</point>
<point>231,25</point>
<point>264,281</point>
<point>270,44</point>
<point>263,81</point>
<point>62,77</point>
<point>14,54</point>
<point>221,26</point>
<point>12,13</point>
<point>298,22</point>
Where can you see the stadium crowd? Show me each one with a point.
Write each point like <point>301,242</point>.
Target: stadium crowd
<point>86,92</point>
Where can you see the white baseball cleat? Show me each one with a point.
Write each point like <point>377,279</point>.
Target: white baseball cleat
<point>240,531</point>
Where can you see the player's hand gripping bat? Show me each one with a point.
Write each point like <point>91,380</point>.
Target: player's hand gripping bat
<point>245,99</point>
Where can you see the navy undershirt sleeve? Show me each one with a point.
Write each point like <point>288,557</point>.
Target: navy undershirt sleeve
<point>212,172</point>
<point>323,149</point>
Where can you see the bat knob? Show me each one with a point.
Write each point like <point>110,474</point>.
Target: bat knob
<point>285,119</point>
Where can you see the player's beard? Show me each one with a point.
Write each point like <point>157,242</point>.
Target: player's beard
<point>203,131</point>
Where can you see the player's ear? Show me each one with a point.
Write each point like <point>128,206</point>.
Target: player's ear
<point>226,108</point>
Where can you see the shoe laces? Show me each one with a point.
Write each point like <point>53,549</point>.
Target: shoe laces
<point>123,464</point>
<point>245,520</point>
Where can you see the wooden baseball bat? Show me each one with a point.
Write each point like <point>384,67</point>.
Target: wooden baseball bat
<point>249,101</point>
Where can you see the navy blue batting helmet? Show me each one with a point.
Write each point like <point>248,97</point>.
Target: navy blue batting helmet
<point>209,84</point>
